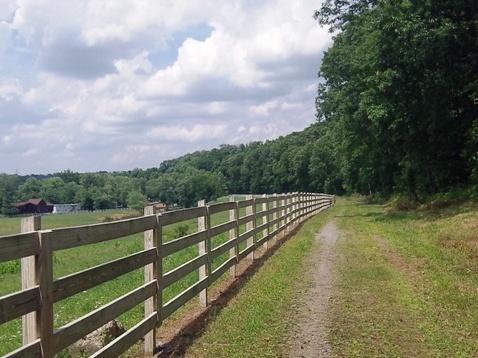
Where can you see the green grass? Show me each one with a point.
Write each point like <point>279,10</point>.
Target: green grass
<point>80,258</point>
<point>76,259</point>
<point>408,283</point>
<point>406,287</point>
<point>255,320</point>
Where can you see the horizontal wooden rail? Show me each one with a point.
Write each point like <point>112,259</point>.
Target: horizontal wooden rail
<point>19,303</point>
<point>85,235</point>
<point>20,245</point>
<point>173,217</point>
<point>174,246</point>
<point>71,285</point>
<point>31,350</point>
<point>125,341</point>
<point>250,224</point>
<point>79,328</point>
<point>185,269</point>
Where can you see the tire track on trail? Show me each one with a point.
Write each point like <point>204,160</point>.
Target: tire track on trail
<point>309,335</point>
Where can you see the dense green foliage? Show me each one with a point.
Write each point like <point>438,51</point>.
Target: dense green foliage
<point>398,96</point>
<point>396,114</point>
<point>297,162</point>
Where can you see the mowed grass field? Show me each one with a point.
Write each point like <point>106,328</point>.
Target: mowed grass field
<point>408,282</point>
<point>77,259</point>
<point>406,286</point>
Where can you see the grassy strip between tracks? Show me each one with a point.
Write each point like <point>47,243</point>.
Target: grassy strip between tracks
<point>407,286</point>
<point>408,282</point>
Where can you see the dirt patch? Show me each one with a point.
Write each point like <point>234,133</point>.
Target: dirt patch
<point>117,217</point>
<point>309,335</point>
<point>397,260</point>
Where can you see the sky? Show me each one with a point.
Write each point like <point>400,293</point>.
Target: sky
<point>113,85</point>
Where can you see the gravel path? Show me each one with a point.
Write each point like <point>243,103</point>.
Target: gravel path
<point>312,324</point>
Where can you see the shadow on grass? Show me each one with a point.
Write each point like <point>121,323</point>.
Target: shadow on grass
<point>194,329</point>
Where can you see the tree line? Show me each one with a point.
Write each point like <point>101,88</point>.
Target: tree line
<point>399,94</point>
<point>297,162</point>
<point>397,113</point>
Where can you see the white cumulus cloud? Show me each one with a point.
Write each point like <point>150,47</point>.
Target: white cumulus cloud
<point>114,85</point>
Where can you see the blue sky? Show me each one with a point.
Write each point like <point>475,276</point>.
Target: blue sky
<point>117,85</point>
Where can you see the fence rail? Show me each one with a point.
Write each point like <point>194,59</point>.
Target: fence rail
<point>252,223</point>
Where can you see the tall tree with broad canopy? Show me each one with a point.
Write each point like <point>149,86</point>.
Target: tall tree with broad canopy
<point>400,82</point>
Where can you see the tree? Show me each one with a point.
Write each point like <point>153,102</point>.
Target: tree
<point>136,200</point>
<point>69,176</point>
<point>52,190</point>
<point>30,189</point>
<point>8,187</point>
<point>398,83</point>
<point>85,198</point>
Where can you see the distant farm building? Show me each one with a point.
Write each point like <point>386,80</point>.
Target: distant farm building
<point>34,206</point>
<point>66,208</point>
<point>160,207</point>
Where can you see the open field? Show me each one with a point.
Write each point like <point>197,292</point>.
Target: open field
<point>409,282</point>
<point>406,286</point>
<point>80,258</point>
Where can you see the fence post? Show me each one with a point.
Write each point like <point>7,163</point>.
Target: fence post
<point>159,270</point>
<point>286,213</point>
<point>31,329</point>
<point>234,234</point>
<point>309,205</point>
<point>289,212</point>
<point>45,318</point>
<point>265,220</point>
<point>282,216</point>
<point>274,217</point>
<point>292,211</point>
<point>251,225</point>
<point>204,249</point>
<point>150,274</point>
<point>298,208</point>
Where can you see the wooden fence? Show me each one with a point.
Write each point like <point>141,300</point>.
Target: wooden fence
<point>252,223</point>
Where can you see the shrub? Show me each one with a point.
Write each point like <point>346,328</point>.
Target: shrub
<point>10,267</point>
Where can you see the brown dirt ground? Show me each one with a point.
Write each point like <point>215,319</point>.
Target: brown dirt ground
<point>309,335</point>
<point>311,325</point>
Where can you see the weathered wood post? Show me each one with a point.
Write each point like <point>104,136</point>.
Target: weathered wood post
<point>265,220</point>
<point>234,234</point>
<point>30,277</point>
<point>251,225</point>
<point>289,206</point>
<point>204,248</point>
<point>282,215</point>
<point>152,272</point>
<point>274,217</point>
<point>286,213</point>
<point>45,318</point>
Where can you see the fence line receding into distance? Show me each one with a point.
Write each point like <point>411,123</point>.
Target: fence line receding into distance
<point>251,223</point>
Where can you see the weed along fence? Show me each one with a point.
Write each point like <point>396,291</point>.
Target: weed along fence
<point>226,234</point>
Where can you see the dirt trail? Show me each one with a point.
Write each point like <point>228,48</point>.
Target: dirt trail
<point>312,324</point>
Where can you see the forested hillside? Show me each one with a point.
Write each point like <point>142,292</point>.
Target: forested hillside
<point>297,162</point>
<point>400,93</point>
<point>397,112</point>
